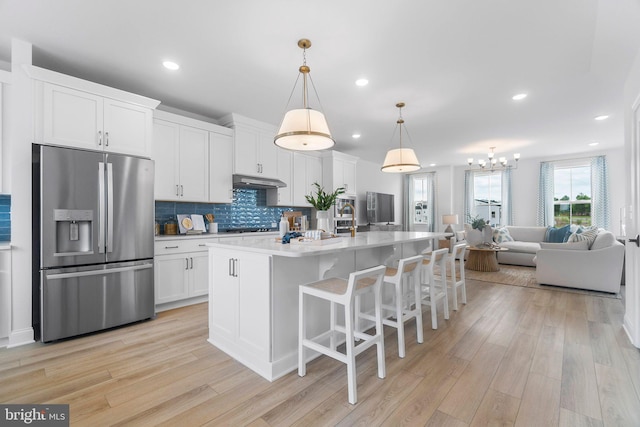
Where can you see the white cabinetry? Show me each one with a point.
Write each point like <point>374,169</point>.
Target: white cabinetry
<point>76,113</point>
<point>339,170</point>
<point>5,294</point>
<point>221,167</point>
<point>181,154</point>
<point>193,159</point>
<point>181,271</point>
<point>240,302</point>
<point>306,170</point>
<point>282,196</point>
<point>254,152</point>
<point>4,78</point>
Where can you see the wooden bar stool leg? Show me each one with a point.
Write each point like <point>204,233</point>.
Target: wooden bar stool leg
<point>302,366</point>
<point>399,316</point>
<point>351,358</point>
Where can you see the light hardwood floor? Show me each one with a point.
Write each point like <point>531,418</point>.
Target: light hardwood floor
<point>511,356</point>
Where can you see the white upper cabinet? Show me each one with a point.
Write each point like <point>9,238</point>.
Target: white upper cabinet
<point>76,113</point>
<point>254,152</point>
<point>193,159</point>
<point>221,167</point>
<point>339,170</point>
<point>181,155</point>
<point>282,196</point>
<point>307,169</point>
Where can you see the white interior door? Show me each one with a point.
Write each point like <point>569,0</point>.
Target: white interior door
<point>632,279</point>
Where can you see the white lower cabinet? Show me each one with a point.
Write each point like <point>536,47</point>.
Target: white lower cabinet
<point>239,303</point>
<point>181,271</point>
<point>5,295</point>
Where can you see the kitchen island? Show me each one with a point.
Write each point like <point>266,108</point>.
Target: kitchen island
<point>253,290</point>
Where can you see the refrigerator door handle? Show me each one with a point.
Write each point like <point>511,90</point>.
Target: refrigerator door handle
<point>57,276</point>
<point>101,207</point>
<point>109,207</point>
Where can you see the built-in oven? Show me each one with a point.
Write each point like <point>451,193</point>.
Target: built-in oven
<point>343,213</point>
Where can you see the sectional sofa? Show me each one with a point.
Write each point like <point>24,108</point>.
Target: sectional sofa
<point>594,265</point>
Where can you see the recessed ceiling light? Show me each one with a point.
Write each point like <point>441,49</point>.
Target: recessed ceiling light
<point>362,82</point>
<point>170,65</point>
<point>603,117</point>
<point>519,96</point>
<point>593,144</point>
<point>432,164</point>
<point>355,136</point>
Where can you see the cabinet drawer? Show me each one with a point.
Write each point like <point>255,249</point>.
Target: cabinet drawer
<point>178,246</point>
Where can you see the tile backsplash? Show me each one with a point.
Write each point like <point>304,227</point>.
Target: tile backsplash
<point>5,217</point>
<point>248,209</point>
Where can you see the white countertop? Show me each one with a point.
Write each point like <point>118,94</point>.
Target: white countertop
<point>362,240</point>
<point>223,235</point>
<point>5,246</point>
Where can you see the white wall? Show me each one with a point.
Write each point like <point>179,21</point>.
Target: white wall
<point>371,178</point>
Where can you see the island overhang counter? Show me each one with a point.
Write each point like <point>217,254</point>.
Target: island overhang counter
<point>253,290</point>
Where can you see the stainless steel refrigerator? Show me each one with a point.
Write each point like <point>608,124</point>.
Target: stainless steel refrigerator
<point>93,231</point>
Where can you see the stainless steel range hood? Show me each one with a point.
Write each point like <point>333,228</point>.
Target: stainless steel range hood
<point>245,181</point>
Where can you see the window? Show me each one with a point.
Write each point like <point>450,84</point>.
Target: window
<point>487,197</point>
<point>572,195</point>
<point>421,199</point>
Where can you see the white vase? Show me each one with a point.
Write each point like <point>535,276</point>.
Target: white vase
<point>487,234</point>
<point>322,222</point>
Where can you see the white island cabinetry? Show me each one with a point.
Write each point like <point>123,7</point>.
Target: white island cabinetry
<point>253,290</point>
<point>240,305</point>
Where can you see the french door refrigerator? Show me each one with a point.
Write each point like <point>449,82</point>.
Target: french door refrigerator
<point>93,231</point>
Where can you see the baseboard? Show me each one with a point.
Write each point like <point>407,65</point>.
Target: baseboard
<point>181,303</point>
<point>20,337</point>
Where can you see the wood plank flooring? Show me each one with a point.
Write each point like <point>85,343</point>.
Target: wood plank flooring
<point>513,356</point>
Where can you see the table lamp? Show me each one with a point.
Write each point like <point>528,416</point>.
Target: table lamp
<point>449,219</point>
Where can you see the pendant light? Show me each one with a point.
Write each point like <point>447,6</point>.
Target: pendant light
<point>304,129</point>
<point>400,159</point>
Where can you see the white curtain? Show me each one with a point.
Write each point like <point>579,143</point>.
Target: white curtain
<point>600,210</point>
<point>544,215</point>
<point>468,195</point>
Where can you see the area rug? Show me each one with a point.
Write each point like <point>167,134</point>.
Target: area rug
<point>516,275</point>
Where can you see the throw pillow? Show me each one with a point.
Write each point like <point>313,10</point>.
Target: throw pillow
<point>604,239</point>
<point>460,236</point>
<point>502,235</point>
<point>557,235</point>
<point>588,234</point>
<point>574,246</point>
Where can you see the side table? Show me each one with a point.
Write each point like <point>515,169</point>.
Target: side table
<point>483,259</point>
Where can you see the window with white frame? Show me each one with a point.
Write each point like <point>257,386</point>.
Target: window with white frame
<point>572,195</point>
<point>487,197</point>
<point>421,199</point>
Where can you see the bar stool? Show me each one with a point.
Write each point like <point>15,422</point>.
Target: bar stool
<point>457,252</point>
<point>408,272</point>
<point>341,291</point>
<point>433,291</point>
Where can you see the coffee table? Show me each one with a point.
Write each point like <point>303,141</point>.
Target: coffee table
<point>483,259</point>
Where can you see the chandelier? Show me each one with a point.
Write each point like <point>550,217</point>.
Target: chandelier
<point>495,164</point>
<point>304,129</point>
<point>400,159</point>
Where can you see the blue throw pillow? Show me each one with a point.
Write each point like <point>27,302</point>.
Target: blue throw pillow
<point>557,235</point>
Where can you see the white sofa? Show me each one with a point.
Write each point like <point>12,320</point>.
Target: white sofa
<point>525,245</point>
<point>598,268</point>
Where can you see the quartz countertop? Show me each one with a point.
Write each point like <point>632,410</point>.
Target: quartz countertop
<point>363,240</point>
<point>223,235</point>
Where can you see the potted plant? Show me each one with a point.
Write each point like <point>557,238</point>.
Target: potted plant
<point>476,222</point>
<point>323,201</point>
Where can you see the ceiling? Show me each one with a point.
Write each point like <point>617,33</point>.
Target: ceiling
<point>456,64</point>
